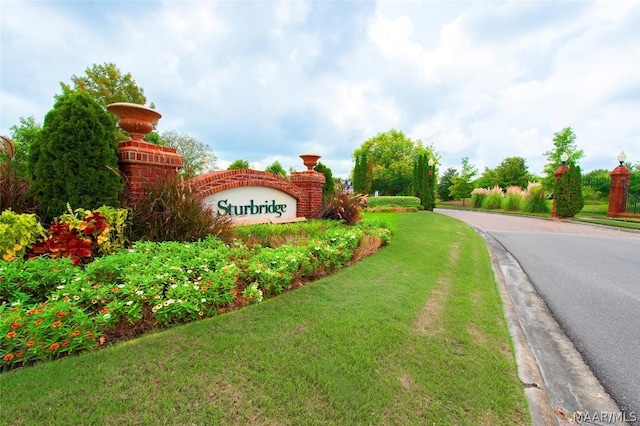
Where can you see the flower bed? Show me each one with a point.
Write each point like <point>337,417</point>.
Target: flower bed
<point>51,308</point>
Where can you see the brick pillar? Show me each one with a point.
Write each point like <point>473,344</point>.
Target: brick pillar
<point>143,163</point>
<point>311,183</point>
<point>558,174</point>
<point>618,191</point>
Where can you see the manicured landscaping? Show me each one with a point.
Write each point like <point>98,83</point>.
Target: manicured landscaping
<point>414,334</point>
<point>51,307</point>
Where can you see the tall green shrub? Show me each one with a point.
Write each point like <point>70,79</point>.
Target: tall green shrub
<point>74,158</point>
<point>423,185</point>
<point>362,174</point>
<point>568,193</point>
<point>329,187</point>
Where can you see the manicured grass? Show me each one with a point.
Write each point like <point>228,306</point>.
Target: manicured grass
<point>412,335</point>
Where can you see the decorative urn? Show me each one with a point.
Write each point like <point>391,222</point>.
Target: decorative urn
<point>310,160</point>
<point>137,120</point>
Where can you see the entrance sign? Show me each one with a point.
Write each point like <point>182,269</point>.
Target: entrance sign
<point>253,204</point>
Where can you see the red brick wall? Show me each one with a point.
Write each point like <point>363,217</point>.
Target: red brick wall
<point>311,183</point>
<point>617,207</point>
<point>305,187</point>
<point>143,163</point>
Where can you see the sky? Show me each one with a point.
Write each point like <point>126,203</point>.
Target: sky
<point>270,80</point>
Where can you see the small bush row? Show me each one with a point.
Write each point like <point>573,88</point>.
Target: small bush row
<point>533,200</point>
<point>398,201</point>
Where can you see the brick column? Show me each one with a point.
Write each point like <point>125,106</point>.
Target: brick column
<point>558,174</point>
<point>618,191</point>
<point>310,183</point>
<point>143,163</point>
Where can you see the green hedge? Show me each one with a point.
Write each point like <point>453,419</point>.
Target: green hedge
<point>389,201</point>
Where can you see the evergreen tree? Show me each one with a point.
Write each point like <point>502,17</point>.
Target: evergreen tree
<point>329,187</point>
<point>424,182</point>
<point>431,201</point>
<point>568,192</point>
<point>362,174</point>
<point>74,157</point>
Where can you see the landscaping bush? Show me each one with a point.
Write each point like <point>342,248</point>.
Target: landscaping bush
<point>345,207</point>
<point>18,232</point>
<point>33,280</point>
<point>169,210</point>
<point>568,193</point>
<point>493,198</point>
<point>51,308</point>
<point>329,187</point>
<point>44,331</point>
<point>389,201</point>
<point>14,188</point>
<point>535,200</point>
<point>512,201</point>
<point>108,225</point>
<point>477,197</point>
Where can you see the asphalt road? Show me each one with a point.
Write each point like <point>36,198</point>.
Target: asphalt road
<point>589,277</point>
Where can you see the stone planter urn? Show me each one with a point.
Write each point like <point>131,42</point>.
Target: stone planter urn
<point>137,120</point>
<point>310,160</point>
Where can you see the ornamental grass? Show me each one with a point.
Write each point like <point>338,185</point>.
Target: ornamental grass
<point>512,200</point>
<point>493,198</point>
<point>535,200</point>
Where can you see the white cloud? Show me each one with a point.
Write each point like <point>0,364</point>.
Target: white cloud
<point>271,80</point>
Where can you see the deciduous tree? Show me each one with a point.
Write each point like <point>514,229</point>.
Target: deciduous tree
<point>564,142</point>
<point>198,157</point>
<point>444,184</point>
<point>391,155</point>
<point>22,136</point>
<point>513,171</point>
<point>462,183</point>
<point>276,168</point>
<point>238,165</point>
<point>107,84</point>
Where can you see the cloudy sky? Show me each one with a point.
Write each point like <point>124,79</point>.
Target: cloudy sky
<point>269,80</point>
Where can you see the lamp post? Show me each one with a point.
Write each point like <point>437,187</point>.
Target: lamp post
<point>618,189</point>
<point>431,163</point>
<point>564,158</point>
<point>622,157</point>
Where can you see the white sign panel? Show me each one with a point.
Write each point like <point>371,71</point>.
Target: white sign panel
<point>254,204</point>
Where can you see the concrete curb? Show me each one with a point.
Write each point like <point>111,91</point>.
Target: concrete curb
<point>557,381</point>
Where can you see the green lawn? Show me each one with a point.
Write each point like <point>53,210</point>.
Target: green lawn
<point>414,335</point>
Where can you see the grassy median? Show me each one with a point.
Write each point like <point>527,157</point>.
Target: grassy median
<point>414,335</point>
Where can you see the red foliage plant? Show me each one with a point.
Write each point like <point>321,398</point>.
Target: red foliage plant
<point>78,243</point>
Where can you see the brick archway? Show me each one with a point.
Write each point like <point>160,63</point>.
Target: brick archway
<point>213,182</point>
<point>305,187</point>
